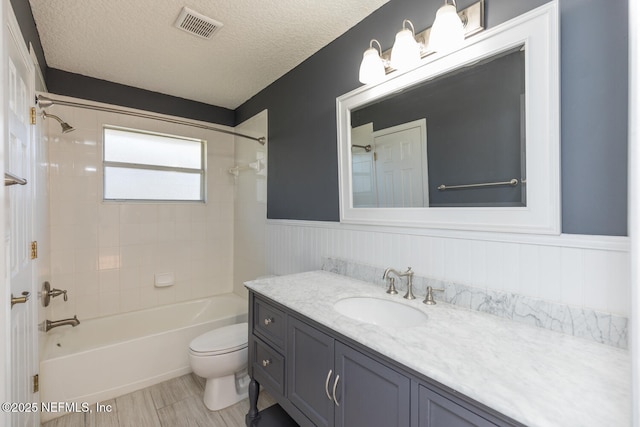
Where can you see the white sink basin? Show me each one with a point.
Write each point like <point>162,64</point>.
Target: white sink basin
<point>380,312</point>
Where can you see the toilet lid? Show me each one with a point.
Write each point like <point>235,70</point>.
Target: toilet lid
<point>222,340</point>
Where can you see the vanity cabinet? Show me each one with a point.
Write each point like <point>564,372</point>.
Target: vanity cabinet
<point>266,345</point>
<point>310,371</point>
<point>323,379</point>
<point>437,411</point>
<point>335,385</point>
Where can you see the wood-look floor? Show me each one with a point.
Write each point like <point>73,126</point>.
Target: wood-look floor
<point>173,403</point>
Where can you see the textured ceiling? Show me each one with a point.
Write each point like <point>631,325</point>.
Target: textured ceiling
<point>134,42</point>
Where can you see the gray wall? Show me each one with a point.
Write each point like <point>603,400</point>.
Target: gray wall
<point>79,86</point>
<point>303,169</point>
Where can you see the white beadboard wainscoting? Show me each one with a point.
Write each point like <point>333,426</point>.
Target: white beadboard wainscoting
<point>578,270</point>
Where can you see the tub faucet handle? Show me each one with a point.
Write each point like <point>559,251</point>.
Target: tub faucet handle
<point>56,292</point>
<point>49,292</point>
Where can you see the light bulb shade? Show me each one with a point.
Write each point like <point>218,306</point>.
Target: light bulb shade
<point>371,67</point>
<point>405,53</point>
<point>447,32</point>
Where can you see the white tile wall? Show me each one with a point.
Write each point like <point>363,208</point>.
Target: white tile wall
<point>251,205</point>
<point>583,271</point>
<point>105,253</point>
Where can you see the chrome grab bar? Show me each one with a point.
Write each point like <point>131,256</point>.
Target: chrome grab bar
<point>513,182</point>
<point>11,179</point>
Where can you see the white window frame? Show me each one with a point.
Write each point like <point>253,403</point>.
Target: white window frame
<point>201,171</point>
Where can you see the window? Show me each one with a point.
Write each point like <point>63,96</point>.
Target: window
<point>142,165</point>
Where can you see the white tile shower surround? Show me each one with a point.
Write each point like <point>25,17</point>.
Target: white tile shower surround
<point>250,210</point>
<point>106,253</point>
<point>584,272</point>
<point>603,328</point>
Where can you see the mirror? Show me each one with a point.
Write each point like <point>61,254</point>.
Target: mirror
<point>468,140</point>
<point>455,140</point>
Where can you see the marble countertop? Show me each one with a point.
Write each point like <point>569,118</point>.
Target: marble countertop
<point>535,376</point>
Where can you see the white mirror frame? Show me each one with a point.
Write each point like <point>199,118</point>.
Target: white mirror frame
<point>537,30</point>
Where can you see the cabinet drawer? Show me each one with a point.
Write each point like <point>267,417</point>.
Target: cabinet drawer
<point>269,323</point>
<point>268,366</point>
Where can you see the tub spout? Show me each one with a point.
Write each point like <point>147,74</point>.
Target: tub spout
<point>50,324</point>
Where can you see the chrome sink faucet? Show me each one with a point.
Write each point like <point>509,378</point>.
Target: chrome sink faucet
<point>429,298</point>
<point>408,274</point>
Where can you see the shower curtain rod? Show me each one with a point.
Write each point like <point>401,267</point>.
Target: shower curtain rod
<point>45,102</point>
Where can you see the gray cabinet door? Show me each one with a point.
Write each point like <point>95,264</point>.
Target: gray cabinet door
<point>369,393</point>
<point>438,411</point>
<point>309,364</point>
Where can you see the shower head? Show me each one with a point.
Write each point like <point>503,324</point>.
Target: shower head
<point>66,127</point>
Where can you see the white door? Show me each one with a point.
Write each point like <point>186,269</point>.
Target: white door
<point>18,232</point>
<point>401,165</point>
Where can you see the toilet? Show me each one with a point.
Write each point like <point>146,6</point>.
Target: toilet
<point>220,356</point>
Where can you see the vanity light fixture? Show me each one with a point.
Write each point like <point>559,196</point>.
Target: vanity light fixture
<point>372,67</point>
<point>406,51</point>
<point>447,32</point>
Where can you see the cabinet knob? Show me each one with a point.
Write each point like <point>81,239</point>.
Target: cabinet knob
<point>268,321</point>
<point>266,362</point>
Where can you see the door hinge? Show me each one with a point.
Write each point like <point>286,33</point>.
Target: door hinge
<point>34,249</point>
<point>375,156</point>
<point>33,115</point>
<point>36,383</point>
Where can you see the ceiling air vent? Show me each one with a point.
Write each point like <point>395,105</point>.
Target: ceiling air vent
<point>197,24</point>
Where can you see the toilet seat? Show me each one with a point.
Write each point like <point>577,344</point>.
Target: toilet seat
<point>222,340</point>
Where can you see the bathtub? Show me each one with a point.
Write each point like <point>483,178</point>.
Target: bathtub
<point>107,357</point>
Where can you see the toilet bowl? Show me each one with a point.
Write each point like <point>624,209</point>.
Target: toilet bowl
<point>220,356</point>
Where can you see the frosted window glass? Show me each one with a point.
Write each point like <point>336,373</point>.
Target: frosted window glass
<point>147,149</point>
<point>145,184</point>
<point>145,166</point>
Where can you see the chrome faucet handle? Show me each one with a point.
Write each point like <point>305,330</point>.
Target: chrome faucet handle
<point>56,292</point>
<point>392,286</point>
<point>429,298</point>
<point>49,292</point>
<point>409,274</point>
